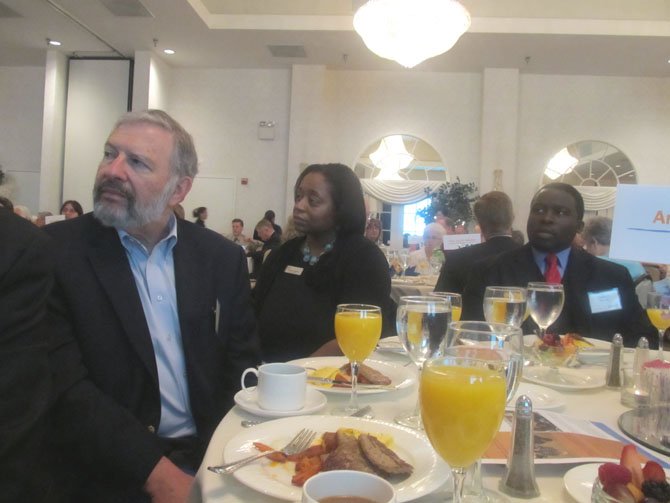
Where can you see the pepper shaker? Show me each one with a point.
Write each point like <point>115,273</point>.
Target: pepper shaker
<point>613,376</point>
<point>519,480</point>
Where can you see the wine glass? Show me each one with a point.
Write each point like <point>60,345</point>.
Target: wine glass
<point>403,255</point>
<point>357,330</point>
<point>505,304</point>
<point>658,310</point>
<point>545,303</point>
<point>454,390</point>
<point>456,302</point>
<point>491,338</point>
<point>421,322</point>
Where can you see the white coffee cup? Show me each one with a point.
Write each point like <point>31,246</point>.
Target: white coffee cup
<point>344,483</point>
<point>281,386</point>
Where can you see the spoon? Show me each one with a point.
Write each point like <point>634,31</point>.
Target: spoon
<point>248,423</point>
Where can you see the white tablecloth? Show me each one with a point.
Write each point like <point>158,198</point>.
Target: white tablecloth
<point>414,285</point>
<point>595,405</point>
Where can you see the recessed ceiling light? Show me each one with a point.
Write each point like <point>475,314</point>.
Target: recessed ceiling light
<point>168,51</point>
<point>53,42</point>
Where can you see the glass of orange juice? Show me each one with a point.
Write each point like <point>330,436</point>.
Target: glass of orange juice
<point>357,330</point>
<point>455,301</point>
<point>658,310</point>
<point>462,405</point>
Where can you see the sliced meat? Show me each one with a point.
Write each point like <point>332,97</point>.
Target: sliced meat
<point>367,375</point>
<point>382,458</point>
<point>347,455</point>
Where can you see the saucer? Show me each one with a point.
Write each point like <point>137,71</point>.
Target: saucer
<point>248,401</point>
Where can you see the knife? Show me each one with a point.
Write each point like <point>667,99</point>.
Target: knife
<point>347,384</point>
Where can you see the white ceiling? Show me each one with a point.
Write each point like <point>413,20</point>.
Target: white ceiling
<point>590,37</point>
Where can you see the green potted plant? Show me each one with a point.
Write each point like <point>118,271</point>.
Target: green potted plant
<point>453,200</point>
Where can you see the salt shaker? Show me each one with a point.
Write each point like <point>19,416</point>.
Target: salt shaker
<point>613,376</point>
<point>519,480</point>
<point>635,393</point>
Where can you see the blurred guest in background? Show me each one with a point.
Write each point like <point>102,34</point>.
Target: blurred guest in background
<point>373,230</point>
<point>40,221</point>
<point>237,235</point>
<point>518,237</point>
<point>271,241</point>
<point>270,217</point>
<point>420,260</point>
<point>71,209</point>
<point>494,214</point>
<point>200,215</point>
<point>596,236</point>
<point>302,282</point>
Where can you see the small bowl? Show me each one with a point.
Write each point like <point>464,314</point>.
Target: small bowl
<point>598,495</point>
<point>347,483</point>
<point>554,356</point>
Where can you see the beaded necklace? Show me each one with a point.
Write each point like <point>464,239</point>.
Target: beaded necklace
<point>313,259</point>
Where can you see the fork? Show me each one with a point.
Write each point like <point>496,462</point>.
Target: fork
<point>297,444</point>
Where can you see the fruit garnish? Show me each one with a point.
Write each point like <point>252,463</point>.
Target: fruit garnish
<point>632,460</point>
<point>653,471</point>
<point>611,474</point>
<point>621,493</point>
<point>660,491</point>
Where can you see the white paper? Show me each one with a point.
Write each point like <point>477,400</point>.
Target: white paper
<point>456,241</point>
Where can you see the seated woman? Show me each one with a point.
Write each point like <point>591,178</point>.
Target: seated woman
<point>302,282</point>
<point>420,260</point>
<point>71,209</point>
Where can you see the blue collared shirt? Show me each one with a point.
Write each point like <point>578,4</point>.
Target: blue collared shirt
<point>155,280</point>
<point>562,256</point>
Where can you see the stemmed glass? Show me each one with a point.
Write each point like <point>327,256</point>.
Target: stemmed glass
<point>658,310</point>
<point>421,322</point>
<point>357,330</point>
<point>545,303</point>
<point>505,341</point>
<point>403,255</point>
<point>505,304</point>
<point>453,391</point>
<point>456,302</point>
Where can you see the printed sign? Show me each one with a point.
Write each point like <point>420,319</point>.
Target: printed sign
<point>641,224</point>
<point>456,241</point>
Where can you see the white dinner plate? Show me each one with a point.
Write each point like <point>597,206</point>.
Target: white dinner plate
<point>572,379</point>
<point>543,398</point>
<point>401,376</point>
<point>274,479</point>
<point>314,402</point>
<point>578,481</point>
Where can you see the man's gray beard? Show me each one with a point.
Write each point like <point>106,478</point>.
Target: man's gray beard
<point>135,214</point>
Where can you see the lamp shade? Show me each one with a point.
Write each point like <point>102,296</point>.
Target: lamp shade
<point>411,31</point>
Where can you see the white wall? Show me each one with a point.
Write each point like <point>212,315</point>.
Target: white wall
<point>222,109</point>
<point>633,114</point>
<point>21,105</point>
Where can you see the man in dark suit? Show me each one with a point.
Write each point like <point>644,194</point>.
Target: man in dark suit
<point>600,297</point>
<point>151,323</point>
<point>26,277</point>
<point>494,214</point>
<point>271,240</point>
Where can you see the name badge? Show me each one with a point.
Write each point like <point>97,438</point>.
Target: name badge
<point>291,269</point>
<point>607,300</point>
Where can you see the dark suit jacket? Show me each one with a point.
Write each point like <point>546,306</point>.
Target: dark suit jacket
<point>108,406</point>
<point>584,273</point>
<point>458,263</point>
<point>26,277</point>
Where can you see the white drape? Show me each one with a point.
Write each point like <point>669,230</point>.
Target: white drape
<point>399,191</point>
<point>597,198</point>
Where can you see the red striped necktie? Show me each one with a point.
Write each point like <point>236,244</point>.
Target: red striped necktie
<point>551,272</point>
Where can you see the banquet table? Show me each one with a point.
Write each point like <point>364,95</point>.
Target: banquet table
<point>599,404</point>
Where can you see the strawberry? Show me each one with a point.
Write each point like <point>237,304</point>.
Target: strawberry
<point>611,474</point>
<point>632,460</point>
<point>653,471</point>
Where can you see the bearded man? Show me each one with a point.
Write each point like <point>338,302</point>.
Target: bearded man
<point>150,321</point>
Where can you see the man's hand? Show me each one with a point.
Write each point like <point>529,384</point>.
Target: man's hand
<point>167,483</point>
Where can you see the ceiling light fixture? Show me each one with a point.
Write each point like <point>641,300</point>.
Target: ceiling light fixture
<point>411,31</point>
<point>168,51</point>
<point>561,164</point>
<point>390,157</point>
<point>53,42</point>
